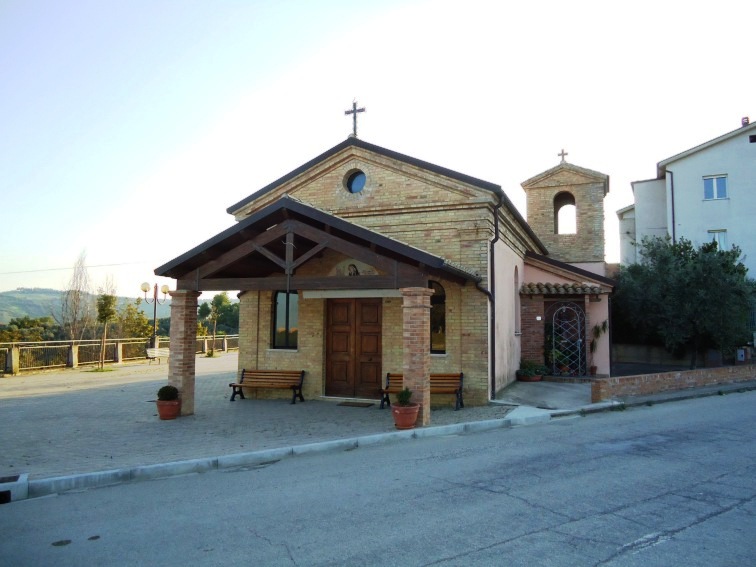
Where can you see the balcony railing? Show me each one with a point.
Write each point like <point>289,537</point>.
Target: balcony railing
<point>23,356</point>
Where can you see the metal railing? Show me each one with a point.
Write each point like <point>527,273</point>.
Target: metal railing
<point>19,356</point>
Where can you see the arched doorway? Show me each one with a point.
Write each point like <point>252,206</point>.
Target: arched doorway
<point>565,339</point>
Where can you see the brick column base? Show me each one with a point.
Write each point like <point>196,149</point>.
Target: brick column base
<point>182,361</point>
<point>416,347</point>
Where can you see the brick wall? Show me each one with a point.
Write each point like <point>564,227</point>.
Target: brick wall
<point>645,384</point>
<point>533,330</point>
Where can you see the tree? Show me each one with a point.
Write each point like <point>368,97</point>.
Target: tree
<point>219,309</point>
<point>228,320</point>
<point>75,317</point>
<point>26,329</point>
<point>692,298</point>
<point>106,312</point>
<point>132,322</point>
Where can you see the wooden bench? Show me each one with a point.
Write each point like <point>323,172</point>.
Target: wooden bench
<point>276,379</point>
<point>439,384</point>
<point>153,353</point>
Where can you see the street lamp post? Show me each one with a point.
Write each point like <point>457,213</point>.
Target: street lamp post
<point>164,289</point>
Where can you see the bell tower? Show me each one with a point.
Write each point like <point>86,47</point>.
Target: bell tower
<point>566,211</point>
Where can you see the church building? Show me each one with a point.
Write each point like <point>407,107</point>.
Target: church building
<point>365,261</point>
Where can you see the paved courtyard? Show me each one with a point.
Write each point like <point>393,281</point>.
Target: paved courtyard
<point>79,421</point>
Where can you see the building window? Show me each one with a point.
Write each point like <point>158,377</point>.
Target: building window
<point>720,237</point>
<point>438,318</point>
<point>715,187</point>
<point>355,181</point>
<point>285,319</point>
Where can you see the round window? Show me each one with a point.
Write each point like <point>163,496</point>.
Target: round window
<point>356,181</point>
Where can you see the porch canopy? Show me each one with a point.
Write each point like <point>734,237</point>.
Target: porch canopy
<point>264,251</point>
<point>260,251</point>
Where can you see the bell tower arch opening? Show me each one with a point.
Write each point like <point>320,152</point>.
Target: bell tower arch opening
<point>565,213</point>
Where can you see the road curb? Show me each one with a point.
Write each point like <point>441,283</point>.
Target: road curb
<point>530,416</point>
<point>85,481</point>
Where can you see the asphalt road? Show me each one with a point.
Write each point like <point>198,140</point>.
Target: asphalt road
<point>673,484</point>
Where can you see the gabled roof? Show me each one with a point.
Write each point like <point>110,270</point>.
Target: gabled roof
<point>358,143</point>
<point>624,210</point>
<point>550,264</point>
<point>353,142</point>
<point>286,209</point>
<point>589,174</point>
<point>662,165</point>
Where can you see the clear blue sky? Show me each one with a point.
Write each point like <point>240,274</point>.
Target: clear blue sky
<point>128,128</point>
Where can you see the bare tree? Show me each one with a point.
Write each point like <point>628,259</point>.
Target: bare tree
<point>76,307</point>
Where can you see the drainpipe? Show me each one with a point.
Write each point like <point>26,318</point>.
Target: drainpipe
<point>672,193</point>
<point>490,293</point>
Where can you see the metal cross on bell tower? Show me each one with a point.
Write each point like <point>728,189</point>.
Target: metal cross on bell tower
<point>354,112</point>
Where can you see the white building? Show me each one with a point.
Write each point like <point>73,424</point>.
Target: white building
<point>702,194</point>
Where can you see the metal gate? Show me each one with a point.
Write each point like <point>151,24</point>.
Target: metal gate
<point>567,356</point>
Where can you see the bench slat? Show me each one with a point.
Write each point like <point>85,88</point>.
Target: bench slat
<point>156,352</point>
<point>440,383</point>
<point>274,379</point>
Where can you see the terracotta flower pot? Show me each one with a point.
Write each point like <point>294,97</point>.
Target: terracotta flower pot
<point>405,416</point>
<point>529,377</point>
<point>170,409</point>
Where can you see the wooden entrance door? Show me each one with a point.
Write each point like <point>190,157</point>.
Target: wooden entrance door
<point>353,348</point>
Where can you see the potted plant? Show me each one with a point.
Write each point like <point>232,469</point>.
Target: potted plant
<point>168,402</point>
<point>530,371</point>
<point>404,411</point>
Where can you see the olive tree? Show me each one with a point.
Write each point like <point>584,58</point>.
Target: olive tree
<point>692,298</point>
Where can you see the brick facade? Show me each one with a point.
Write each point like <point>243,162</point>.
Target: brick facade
<point>432,212</point>
<point>443,213</point>
<point>466,346</point>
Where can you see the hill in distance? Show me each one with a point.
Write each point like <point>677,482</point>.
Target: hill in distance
<point>41,302</point>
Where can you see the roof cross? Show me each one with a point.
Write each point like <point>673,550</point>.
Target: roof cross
<point>562,154</point>
<point>354,112</point>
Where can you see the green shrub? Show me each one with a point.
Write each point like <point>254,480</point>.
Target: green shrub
<point>403,397</point>
<point>168,393</point>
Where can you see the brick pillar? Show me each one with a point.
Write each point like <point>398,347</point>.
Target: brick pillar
<point>416,347</point>
<point>181,363</point>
